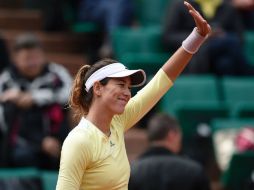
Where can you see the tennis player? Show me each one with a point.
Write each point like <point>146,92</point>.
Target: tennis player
<point>93,155</point>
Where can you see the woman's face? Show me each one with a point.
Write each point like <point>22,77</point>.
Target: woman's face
<point>116,94</point>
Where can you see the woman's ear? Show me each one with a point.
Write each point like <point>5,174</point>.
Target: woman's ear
<point>97,87</point>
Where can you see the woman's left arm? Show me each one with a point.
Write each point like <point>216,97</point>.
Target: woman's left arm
<point>178,61</point>
<point>146,98</point>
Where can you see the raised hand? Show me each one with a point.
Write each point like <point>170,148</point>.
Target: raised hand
<point>203,27</point>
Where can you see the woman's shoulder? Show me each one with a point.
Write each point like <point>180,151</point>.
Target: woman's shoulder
<point>79,135</point>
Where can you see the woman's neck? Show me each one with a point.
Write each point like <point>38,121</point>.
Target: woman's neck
<point>100,118</point>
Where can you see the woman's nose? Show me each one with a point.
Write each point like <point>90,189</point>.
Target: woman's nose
<point>127,92</point>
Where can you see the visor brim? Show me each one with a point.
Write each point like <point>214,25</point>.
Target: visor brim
<point>138,77</point>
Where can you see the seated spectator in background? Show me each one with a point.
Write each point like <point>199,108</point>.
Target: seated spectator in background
<point>4,55</point>
<point>232,140</point>
<point>32,94</point>
<point>161,167</point>
<point>53,15</point>
<point>245,9</point>
<point>223,53</point>
<point>56,13</point>
<point>4,62</point>
<point>224,146</point>
<point>245,139</point>
<point>109,15</point>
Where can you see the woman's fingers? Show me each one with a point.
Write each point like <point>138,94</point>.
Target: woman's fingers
<point>196,19</point>
<point>189,6</point>
<point>209,28</point>
<point>201,24</point>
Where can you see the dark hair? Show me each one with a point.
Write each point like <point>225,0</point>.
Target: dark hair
<point>160,125</point>
<point>80,100</point>
<point>26,41</point>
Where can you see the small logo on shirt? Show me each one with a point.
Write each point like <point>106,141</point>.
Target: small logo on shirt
<point>112,144</point>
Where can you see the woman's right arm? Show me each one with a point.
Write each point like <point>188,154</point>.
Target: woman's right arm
<point>74,160</point>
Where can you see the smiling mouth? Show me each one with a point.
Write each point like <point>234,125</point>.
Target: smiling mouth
<point>123,100</point>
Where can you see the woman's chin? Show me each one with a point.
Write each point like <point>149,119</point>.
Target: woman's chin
<point>119,111</point>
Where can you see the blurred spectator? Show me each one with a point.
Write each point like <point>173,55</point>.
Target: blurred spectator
<point>232,140</point>
<point>223,53</point>
<point>54,12</point>
<point>246,12</point>
<point>4,55</point>
<point>32,93</point>
<point>161,167</point>
<point>245,139</point>
<point>109,15</point>
<point>224,146</point>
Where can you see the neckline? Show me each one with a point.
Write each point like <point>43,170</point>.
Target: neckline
<point>97,129</point>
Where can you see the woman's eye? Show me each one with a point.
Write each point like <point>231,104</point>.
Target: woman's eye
<point>122,85</point>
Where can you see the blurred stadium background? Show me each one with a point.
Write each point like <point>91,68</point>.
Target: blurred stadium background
<point>204,104</point>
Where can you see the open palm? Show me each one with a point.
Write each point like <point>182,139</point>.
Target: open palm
<point>203,27</point>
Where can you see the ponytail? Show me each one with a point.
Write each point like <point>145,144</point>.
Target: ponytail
<point>80,99</point>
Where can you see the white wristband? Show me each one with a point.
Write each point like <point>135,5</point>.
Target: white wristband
<point>193,42</point>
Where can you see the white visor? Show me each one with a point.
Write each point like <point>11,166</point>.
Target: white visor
<point>116,70</point>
